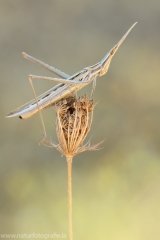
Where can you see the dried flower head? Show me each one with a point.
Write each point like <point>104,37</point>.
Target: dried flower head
<point>73,122</point>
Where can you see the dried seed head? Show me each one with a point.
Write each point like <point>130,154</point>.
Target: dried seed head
<point>73,122</point>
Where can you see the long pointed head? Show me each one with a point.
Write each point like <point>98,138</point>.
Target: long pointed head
<point>105,62</point>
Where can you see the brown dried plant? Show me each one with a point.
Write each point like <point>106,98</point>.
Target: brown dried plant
<point>73,122</point>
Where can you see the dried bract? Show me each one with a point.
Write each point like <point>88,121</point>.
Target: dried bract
<point>73,122</point>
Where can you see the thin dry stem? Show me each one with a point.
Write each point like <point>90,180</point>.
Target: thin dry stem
<point>73,122</point>
<point>69,162</point>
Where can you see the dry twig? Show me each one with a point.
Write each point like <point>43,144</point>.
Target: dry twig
<point>73,122</point>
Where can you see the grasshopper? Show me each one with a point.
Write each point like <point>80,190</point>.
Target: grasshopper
<point>67,84</point>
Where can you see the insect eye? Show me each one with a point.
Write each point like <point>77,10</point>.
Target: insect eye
<point>111,53</point>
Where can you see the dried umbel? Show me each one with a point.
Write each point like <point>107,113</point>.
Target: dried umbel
<point>73,122</point>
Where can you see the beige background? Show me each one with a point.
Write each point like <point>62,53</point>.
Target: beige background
<point>115,190</point>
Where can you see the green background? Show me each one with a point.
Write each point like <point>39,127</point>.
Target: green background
<point>116,191</point>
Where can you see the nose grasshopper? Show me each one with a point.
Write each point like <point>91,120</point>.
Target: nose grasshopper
<point>67,84</point>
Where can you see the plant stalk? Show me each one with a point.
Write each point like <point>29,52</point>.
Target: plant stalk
<point>69,163</point>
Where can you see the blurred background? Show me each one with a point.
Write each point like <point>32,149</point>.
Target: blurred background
<point>116,191</point>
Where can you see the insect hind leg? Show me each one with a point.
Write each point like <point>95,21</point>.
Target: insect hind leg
<point>44,134</point>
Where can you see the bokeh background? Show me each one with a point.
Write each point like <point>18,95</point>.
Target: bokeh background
<point>116,191</point>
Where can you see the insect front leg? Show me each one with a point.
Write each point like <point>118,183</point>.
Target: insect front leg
<point>93,86</point>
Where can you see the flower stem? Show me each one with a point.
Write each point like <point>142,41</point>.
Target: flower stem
<point>69,162</point>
